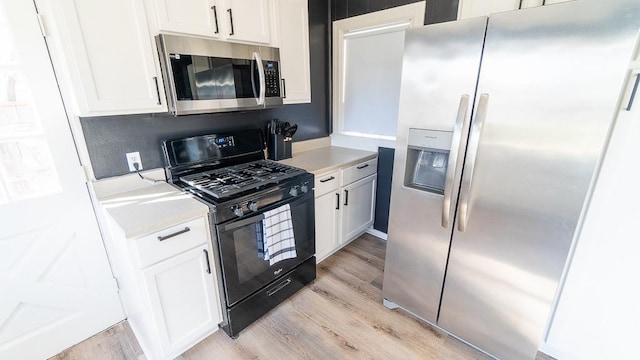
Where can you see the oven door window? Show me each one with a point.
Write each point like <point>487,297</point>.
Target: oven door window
<point>242,252</point>
<point>214,78</point>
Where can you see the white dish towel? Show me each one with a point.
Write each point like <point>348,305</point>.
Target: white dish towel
<point>277,230</point>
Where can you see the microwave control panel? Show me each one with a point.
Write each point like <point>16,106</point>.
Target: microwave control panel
<point>272,79</point>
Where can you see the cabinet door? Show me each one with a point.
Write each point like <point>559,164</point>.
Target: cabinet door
<point>473,8</point>
<point>293,41</point>
<point>105,56</point>
<point>196,17</point>
<point>184,302</point>
<point>327,223</point>
<point>358,202</point>
<point>247,20</point>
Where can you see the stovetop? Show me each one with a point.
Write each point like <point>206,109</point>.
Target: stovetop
<point>232,180</point>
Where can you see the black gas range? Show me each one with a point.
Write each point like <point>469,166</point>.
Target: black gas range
<point>262,216</point>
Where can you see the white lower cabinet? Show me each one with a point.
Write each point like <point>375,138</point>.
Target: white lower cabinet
<point>327,207</point>
<point>345,204</point>
<point>168,286</point>
<point>183,299</point>
<point>358,207</point>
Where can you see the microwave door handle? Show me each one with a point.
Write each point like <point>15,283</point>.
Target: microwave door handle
<point>261,95</point>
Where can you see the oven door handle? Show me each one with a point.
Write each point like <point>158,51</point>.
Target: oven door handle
<point>241,223</point>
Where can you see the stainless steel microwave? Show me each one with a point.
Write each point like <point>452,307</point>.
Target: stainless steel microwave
<point>206,76</point>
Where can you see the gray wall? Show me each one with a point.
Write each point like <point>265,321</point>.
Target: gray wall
<point>109,138</point>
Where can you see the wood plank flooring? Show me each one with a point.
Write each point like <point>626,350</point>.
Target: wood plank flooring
<point>339,316</point>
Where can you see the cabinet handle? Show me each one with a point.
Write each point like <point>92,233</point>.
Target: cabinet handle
<point>337,201</point>
<point>215,18</point>
<point>346,197</point>
<point>284,89</point>
<point>206,256</point>
<point>362,166</point>
<point>633,92</point>
<point>163,238</point>
<point>325,180</point>
<point>544,2</point>
<point>520,6</point>
<point>230,19</point>
<point>155,79</point>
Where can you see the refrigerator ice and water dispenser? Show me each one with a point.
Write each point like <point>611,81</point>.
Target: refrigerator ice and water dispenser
<point>427,159</point>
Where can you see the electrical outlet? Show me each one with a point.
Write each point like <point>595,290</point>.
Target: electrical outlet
<point>134,157</point>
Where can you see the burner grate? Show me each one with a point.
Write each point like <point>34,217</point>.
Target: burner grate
<point>225,182</point>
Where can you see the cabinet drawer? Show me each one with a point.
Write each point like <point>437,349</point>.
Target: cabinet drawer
<point>327,182</point>
<point>171,241</point>
<point>359,171</point>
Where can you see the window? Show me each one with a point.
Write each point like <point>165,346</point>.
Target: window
<point>367,68</point>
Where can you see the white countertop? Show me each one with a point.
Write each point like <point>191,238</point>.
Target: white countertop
<point>322,160</point>
<point>152,208</point>
<point>144,208</point>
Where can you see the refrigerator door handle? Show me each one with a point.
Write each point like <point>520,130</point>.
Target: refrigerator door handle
<point>455,151</point>
<point>467,175</point>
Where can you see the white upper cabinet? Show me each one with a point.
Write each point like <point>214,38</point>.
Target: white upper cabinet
<point>197,17</point>
<point>292,37</point>
<point>233,20</point>
<point>104,56</point>
<point>473,8</point>
<point>248,20</point>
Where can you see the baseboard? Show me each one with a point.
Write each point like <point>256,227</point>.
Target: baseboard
<point>377,233</point>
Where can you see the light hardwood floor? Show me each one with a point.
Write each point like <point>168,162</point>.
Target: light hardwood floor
<point>339,316</point>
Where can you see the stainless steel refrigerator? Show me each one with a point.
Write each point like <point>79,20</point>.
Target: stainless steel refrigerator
<point>501,125</point>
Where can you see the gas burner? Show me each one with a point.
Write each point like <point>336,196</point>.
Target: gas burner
<point>231,180</point>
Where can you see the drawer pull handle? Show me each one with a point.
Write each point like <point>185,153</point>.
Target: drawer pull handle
<point>165,237</point>
<point>362,166</point>
<point>346,197</point>
<point>329,179</point>
<point>280,287</point>
<point>206,256</point>
<point>337,201</point>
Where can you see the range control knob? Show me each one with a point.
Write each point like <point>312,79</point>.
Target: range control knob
<point>237,210</point>
<point>293,191</point>
<point>304,188</point>
<point>253,206</point>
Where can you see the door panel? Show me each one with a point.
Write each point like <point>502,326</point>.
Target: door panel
<point>183,299</point>
<point>545,128</point>
<point>56,284</point>
<point>440,65</point>
<point>358,207</point>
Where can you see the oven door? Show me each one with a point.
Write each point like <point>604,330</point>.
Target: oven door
<point>241,245</point>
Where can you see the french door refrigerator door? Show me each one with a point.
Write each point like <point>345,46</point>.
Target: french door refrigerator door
<point>439,76</point>
<point>550,84</point>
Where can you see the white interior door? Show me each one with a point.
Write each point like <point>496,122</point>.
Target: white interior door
<point>55,282</point>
